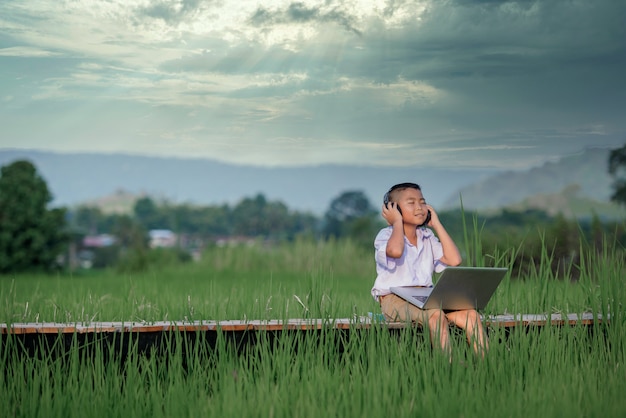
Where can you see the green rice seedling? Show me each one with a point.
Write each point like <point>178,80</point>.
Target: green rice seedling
<point>549,371</point>
<point>536,371</point>
<point>334,288</point>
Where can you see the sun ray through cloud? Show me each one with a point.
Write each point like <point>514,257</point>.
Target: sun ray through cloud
<point>361,79</point>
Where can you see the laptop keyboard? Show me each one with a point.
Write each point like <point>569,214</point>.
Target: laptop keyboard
<point>421,298</point>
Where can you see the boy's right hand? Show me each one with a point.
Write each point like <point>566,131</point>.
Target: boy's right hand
<point>391,213</point>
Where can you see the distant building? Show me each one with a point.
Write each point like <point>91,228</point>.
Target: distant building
<point>162,238</point>
<point>98,241</point>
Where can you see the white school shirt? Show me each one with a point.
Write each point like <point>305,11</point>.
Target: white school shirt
<point>414,268</point>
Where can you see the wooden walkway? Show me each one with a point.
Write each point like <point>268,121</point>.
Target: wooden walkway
<point>507,321</point>
<point>55,340</point>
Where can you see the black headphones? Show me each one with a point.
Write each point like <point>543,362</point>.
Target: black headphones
<point>404,186</point>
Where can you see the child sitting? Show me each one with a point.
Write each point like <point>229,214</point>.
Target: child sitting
<point>407,254</point>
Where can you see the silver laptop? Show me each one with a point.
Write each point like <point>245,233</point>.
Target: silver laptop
<point>457,288</point>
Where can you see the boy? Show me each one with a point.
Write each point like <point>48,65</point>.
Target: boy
<point>407,254</point>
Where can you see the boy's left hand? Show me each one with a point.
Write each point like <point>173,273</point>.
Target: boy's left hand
<point>434,218</point>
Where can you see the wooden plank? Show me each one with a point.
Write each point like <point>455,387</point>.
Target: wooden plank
<point>586,318</point>
<point>508,321</point>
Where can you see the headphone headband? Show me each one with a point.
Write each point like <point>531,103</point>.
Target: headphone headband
<point>400,186</point>
<point>404,186</point>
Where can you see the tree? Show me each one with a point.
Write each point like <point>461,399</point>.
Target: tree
<point>203,221</point>
<point>148,214</point>
<point>88,219</point>
<point>345,216</point>
<point>617,165</point>
<point>258,217</point>
<point>248,216</point>
<point>132,239</point>
<point>563,241</point>
<point>31,235</point>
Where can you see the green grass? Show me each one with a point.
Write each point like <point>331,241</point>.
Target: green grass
<point>298,280</point>
<point>303,279</point>
<point>551,371</point>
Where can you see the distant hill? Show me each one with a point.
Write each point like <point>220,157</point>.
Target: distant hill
<point>119,202</point>
<point>115,178</point>
<point>570,204</point>
<point>113,181</point>
<point>585,172</point>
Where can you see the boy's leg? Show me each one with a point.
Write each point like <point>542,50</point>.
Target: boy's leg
<point>394,308</point>
<point>470,321</point>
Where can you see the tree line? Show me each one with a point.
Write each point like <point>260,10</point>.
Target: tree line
<point>350,215</point>
<point>35,236</point>
<point>251,217</point>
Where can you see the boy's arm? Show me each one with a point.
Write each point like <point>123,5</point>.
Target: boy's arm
<point>395,244</point>
<point>451,255</point>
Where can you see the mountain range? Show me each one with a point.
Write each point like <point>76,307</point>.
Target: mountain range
<point>588,170</point>
<point>79,178</point>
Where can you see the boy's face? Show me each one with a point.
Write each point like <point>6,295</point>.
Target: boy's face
<point>413,206</point>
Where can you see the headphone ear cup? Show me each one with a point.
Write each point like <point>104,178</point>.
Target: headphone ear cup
<point>386,198</point>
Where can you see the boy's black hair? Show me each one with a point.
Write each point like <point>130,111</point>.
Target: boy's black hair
<point>399,186</point>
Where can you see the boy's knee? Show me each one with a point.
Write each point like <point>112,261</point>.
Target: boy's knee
<point>473,320</point>
<point>437,318</point>
<point>474,317</point>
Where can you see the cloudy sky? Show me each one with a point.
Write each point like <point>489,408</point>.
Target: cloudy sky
<point>463,83</point>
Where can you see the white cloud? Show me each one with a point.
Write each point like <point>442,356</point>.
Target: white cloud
<point>25,51</point>
<point>283,82</point>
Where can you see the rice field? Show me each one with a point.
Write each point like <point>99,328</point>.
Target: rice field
<point>549,371</point>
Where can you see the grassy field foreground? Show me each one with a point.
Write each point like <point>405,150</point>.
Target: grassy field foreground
<point>553,371</point>
<point>296,280</point>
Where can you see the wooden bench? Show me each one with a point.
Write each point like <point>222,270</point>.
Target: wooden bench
<point>361,322</point>
<point>55,340</point>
